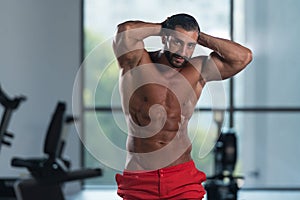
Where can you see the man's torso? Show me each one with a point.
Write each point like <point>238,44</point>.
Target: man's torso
<point>158,102</point>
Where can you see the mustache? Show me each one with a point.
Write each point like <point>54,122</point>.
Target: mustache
<point>179,56</point>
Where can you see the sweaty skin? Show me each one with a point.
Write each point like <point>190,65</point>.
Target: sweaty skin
<point>160,89</point>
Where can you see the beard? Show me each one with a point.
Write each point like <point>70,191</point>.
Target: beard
<point>174,59</point>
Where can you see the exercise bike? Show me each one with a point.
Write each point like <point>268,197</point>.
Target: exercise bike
<point>48,174</point>
<point>10,105</point>
<point>223,185</point>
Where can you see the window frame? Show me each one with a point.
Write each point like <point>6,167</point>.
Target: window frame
<point>231,110</point>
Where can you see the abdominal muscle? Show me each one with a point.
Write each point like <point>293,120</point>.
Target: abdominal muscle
<point>137,160</point>
<point>157,135</point>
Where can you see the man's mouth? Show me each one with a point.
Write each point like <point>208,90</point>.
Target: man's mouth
<point>175,59</point>
<point>178,59</point>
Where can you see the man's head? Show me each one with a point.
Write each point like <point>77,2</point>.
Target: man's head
<point>179,36</point>
<point>187,22</point>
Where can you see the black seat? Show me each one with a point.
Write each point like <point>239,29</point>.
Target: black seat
<point>49,172</point>
<point>53,164</point>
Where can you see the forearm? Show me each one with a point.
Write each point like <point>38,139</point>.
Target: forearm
<point>230,52</point>
<point>139,30</point>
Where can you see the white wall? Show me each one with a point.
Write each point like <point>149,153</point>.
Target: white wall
<point>270,141</point>
<point>40,55</point>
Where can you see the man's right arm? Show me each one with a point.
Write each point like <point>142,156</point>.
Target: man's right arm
<point>128,44</point>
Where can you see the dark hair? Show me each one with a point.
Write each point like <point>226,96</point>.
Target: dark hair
<point>187,22</point>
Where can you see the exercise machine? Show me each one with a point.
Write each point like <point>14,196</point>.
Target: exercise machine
<point>10,105</point>
<point>48,174</point>
<point>223,185</point>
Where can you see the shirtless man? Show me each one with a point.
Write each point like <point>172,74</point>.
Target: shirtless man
<point>159,91</point>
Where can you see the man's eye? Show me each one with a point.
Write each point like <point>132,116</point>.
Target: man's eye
<point>177,42</point>
<point>191,46</point>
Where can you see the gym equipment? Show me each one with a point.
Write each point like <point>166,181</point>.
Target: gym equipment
<point>49,173</point>
<point>223,185</point>
<point>9,105</point>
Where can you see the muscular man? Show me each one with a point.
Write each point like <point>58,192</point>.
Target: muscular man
<point>159,91</point>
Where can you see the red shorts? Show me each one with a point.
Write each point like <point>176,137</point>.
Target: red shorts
<point>183,181</point>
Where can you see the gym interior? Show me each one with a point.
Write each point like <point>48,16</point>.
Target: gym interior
<point>58,80</point>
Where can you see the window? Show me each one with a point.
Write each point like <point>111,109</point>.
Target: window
<point>101,105</point>
<point>266,100</point>
<point>262,102</point>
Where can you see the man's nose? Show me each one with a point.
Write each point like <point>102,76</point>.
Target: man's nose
<point>182,51</point>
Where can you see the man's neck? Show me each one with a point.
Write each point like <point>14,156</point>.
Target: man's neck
<point>160,58</point>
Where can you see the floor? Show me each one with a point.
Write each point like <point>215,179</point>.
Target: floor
<point>109,194</point>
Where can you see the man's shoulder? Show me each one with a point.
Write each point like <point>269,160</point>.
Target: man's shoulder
<point>153,54</point>
<point>197,61</point>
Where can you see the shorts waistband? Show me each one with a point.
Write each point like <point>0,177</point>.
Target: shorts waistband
<point>179,167</point>
<point>183,166</point>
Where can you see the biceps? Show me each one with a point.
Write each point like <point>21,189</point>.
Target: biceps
<point>212,68</point>
<point>130,59</point>
<point>128,53</point>
<point>216,68</point>
<point>125,44</point>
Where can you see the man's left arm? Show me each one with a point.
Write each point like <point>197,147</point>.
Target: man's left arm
<point>227,59</point>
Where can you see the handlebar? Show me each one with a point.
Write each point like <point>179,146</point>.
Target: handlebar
<point>8,102</point>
